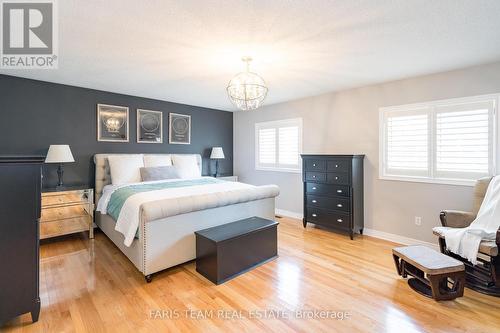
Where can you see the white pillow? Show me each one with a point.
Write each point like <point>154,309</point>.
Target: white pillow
<point>186,166</point>
<point>152,161</point>
<point>125,169</point>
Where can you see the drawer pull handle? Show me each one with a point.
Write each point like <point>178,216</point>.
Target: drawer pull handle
<point>314,187</point>
<point>340,220</point>
<point>314,164</point>
<point>336,178</point>
<point>336,165</point>
<point>314,215</point>
<point>314,201</point>
<point>339,191</point>
<point>339,205</point>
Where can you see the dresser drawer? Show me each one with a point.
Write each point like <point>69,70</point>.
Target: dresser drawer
<point>338,178</point>
<point>328,218</point>
<point>328,190</point>
<point>338,165</point>
<point>316,176</point>
<point>339,204</point>
<point>315,165</point>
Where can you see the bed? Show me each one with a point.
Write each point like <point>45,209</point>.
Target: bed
<point>166,225</point>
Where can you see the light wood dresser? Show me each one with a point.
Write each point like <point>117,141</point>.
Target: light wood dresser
<point>67,210</point>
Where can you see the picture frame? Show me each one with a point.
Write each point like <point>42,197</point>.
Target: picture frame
<point>179,130</point>
<point>149,126</point>
<point>112,123</point>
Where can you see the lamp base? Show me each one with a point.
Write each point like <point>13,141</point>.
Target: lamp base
<point>60,173</point>
<point>216,168</point>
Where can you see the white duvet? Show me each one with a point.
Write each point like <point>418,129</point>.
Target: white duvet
<point>219,194</point>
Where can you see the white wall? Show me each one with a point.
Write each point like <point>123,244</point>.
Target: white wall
<point>347,122</point>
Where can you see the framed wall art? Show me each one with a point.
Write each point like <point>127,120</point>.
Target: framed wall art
<point>112,123</point>
<point>179,129</point>
<point>149,126</point>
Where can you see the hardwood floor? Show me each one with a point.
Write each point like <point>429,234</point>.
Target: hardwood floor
<point>90,286</point>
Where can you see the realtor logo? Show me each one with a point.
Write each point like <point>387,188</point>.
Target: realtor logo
<point>29,34</point>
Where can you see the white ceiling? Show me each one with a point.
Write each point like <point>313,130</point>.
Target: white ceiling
<point>187,51</point>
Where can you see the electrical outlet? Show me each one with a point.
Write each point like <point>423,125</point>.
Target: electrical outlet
<point>418,220</point>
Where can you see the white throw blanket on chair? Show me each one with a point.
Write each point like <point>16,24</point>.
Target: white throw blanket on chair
<point>465,241</point>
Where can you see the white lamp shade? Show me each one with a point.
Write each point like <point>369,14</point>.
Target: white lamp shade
<point>59,154</point>
<point>217,153</point>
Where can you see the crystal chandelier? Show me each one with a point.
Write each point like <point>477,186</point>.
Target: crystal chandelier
<point>247,90</point>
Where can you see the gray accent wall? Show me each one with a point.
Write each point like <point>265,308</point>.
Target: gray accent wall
<point>36,114</point>
<point>348,122</point>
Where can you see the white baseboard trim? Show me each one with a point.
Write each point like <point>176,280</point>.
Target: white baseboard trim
<point>370,232</point>
<point>288,213</point>
<point>397,238</point>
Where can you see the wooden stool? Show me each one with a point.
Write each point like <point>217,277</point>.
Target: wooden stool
<point>435,275</point>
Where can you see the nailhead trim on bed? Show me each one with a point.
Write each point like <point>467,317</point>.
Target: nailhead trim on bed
<point>144,262</point>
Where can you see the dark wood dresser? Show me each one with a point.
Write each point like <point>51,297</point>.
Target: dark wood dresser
<point>20,201</point>
<point>333,191</point>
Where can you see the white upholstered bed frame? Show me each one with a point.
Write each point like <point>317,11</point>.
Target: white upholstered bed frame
<point>170,241</point>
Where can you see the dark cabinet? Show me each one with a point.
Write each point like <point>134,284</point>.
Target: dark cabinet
<point>20,201</point>
<point>333,191</point>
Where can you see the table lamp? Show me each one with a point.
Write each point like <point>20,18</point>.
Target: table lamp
<point>59,154</point>
<point>217,154</point>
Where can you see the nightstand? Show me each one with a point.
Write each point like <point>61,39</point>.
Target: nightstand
<point>228,178</point>
<point>67,210</point>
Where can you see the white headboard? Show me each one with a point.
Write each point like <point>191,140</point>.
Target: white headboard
<point>103,174</point>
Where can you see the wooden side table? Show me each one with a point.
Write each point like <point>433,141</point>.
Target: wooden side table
<point>67,210</point>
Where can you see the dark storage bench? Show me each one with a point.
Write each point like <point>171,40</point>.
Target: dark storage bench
<point>228,250</point>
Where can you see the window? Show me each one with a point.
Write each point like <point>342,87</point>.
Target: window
<point>450,141</point>
<point>278,145</point>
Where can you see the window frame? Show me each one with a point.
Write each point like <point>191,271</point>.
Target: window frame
<point>432,109</point>
<point>277,124</point>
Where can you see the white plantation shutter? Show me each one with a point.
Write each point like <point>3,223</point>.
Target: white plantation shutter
<point>464,140</point>
<point>448,141</point>
<point>278,145</point>
<point>288,146</point>
<point>267,146</point>
<point>407,144</point>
